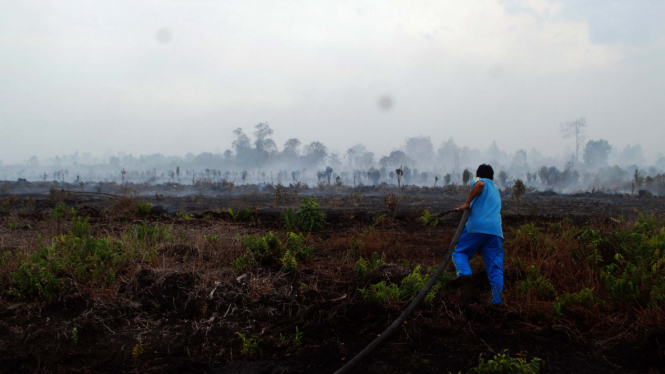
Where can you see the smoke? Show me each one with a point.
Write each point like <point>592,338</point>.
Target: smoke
<point>257,160</point>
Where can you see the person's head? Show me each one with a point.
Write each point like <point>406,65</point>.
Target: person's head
<point>485,171</point>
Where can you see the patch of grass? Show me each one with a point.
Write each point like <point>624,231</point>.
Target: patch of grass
<point>80,227</point>
<point>58,212</point>
<point>296,341</point>
<point>244,262</point>
<point>184,216</point>
<point>631,263</point>
<point>289,219</point>
<point>407,290</point>
<point>210,238</point>
<point>250,346</point>
<point>296,244</point>
<point>502,363</point>
<point>527,236</point>
<point>269,249</point>
<point>364,267</point>
<point>243,214</point>
<point>356,248</point>
<point>137,353</point>
<point>391,202</point>
<point>535,284</point>
<point>584,298</point>
<point>35,278</point>
<point>428,220</point>
<point>75,335</point>
<point>289,262</point>
<point>377,221</point>
<point>263,249</point>
<point>143,208</point>
<point>83,258</point>
<point>152,234</point>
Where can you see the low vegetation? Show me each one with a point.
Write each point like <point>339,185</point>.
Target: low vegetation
<point>502,363</point>
<point>213,286</point>
<point>408,288</point>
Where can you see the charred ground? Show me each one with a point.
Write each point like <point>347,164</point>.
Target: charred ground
<point>181,305</point>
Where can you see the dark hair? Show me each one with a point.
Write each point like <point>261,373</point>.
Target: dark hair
<point>485,171</point>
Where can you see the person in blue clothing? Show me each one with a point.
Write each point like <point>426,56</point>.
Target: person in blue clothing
<point>483,232</point>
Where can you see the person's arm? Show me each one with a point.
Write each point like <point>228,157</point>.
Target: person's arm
<point>475,191</point>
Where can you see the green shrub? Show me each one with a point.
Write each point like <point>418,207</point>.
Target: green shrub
<point>382,292</point>
<point>364,267</point>
<point>184,216</point>
<point>310,217</point>
<point>250,346</point>
<point>428,220</point>
<point>78,255</point>
<point>296,244</point>
<point>504,364</point>
<point>80,227</point>
<point>535,284</point>
<point>75,335</point>
<point>243,214</point>
<point>244,262</point>
<point>584,298</point>
<point>35,278</point>
<point>556,226</point>
<point>518,190</point>
<point>407,290</point>
<point>210,238</point>
<point>87,259</point>
<point>356,248</point>
<point>268,249</point>
<point>289,261</point>
<point>527,236</point>
<point>59,211</point>
<point>377,221</point>
<point>264,249</point>
<point>297,339</point>
<point>143,208</point>
<point>631,262</point>
<point>290,220</point>
<point>153,234</point>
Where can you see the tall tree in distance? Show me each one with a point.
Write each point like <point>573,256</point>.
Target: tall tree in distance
<point>574,128</point>
<point>596,152</point>
<point>453,153</point>
<point>420,149</point>
<point>242,145</point>
<point>316,152</point>
<point>292,147</point>
<point>265,146</point>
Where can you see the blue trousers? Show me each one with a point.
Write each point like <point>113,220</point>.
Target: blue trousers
<point>491,248</point>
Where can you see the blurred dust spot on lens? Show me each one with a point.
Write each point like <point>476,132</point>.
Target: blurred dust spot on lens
<point>495,71</point>
<point>164,35</point>
<point>386,102</point>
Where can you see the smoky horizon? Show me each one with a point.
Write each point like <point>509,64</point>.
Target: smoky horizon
<point>92,84</point>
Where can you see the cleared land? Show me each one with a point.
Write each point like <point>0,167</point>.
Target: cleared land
<point>96,283</point>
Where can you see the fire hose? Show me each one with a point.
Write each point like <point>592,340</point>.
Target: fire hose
<point>383,337</point>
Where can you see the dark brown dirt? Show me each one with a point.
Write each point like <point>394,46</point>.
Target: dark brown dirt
<point>187,323</point>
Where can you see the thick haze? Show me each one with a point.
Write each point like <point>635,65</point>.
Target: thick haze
<point>179,76</point>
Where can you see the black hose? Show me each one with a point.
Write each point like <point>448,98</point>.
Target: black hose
<point>448,212</point>
<point>381,338</point>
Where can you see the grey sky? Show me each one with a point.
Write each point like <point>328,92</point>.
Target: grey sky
<point>178,76</point>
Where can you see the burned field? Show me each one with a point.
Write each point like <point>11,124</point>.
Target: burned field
<point>295,282</point>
